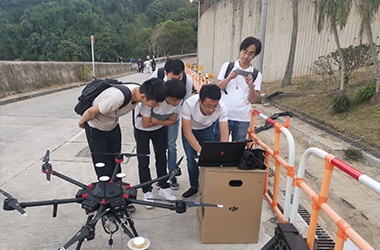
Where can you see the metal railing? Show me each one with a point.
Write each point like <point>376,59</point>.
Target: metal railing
<point>345,231</point>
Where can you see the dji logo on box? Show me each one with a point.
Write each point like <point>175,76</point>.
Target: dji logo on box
<point>233,209</point>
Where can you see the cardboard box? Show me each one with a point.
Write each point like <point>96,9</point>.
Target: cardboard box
<point>241,194</point>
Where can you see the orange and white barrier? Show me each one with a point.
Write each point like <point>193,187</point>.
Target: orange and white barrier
<point>345,231</point>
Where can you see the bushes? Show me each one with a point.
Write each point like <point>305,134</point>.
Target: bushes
<point>342,103</point>
<point>353,154</point>
<point>364,94</point>
<point>339,104</point>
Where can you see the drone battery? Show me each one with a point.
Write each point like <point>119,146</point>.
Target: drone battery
<point>241,194</point>
<point>117,206</point>
<point>90,206</point>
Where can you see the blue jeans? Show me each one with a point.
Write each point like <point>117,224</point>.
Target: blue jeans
<point>172,146</point>
<point>237,129</point>
<point>202,135</point>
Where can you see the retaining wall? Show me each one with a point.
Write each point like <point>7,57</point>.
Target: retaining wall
<point>19,76</point>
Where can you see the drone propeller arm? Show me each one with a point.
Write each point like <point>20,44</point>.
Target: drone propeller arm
<point>154,204</point>
<point>49,202</point>
<point>64,177</point>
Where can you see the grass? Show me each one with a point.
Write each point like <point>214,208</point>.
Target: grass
<point>360,122</point>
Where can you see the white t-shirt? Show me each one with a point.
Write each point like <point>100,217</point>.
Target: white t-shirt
<point>237,100</point>
<point>191,111</point>
<point>163,111</point>
<point>147,64</point>
<point>109,102</point>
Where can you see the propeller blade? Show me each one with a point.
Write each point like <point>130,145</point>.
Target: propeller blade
<point>131,155</point>
<point>190,203</point>
<point>6,194</point>
<point>176,170</point>
<point>121,154</point>
<point>47,156</point>
<point>47,169</point>
<point>179,162</point>
<point>12,203</point>
<point>197,204</point>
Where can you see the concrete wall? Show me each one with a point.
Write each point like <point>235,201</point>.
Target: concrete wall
<point>227,23</point>
<point>20,76</point>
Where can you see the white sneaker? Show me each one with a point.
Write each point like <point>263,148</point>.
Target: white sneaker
<point>147,197</point>
<point>167,194</point>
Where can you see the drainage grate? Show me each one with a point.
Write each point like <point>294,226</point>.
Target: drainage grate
<point>85,152</point>
<point>323,241</point>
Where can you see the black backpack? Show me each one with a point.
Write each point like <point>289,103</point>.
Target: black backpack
<point>97,86</point>
<point>231,66</point>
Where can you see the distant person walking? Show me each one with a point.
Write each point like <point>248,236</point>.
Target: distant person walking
<point>147,66</point>
<point>153,64</point>
<point>133,64</point>
<point>167,57</point>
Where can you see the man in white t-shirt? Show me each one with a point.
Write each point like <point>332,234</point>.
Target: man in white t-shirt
<point>238,91</point>
<point>150,125</point>
<point>174,69</point>
<point>199,113</point>
<point>101,121</point>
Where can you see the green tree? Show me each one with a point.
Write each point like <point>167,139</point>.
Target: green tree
<point>334,13</point>
<point>170,36</point>
<point>156,12</point>
<point>367,10</point>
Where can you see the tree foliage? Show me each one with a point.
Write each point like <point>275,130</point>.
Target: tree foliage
<point>60,30</point>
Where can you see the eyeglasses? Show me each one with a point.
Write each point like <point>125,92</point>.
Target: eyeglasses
<point>209,107</point>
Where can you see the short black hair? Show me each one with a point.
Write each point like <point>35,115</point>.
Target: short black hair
<point>175,88</point>
<point>211,91</point>
<point>248,42</point>
<point>175,66</point>
<point>154,89</point>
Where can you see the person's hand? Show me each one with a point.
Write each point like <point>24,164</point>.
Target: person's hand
<point>232,75</point>
<point>80,124</point>
<point>249,81</point>
<point>154,120</point>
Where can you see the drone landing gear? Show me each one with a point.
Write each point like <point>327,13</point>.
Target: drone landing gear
<point>120,218</point>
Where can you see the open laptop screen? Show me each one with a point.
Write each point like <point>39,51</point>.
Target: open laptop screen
<point>221,153</point>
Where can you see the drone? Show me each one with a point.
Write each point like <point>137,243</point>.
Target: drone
<point>106,200</point>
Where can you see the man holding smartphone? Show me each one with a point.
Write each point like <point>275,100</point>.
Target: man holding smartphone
<point>240,88</point>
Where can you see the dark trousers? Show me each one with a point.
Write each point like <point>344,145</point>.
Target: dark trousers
<point>159,140</point>
<point>104,145</point>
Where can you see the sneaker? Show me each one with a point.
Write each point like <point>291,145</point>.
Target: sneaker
<point>190,193</point>
<point>167,194</point>
<point>157,185</point>
<point>147,197</point>
<point>131,208</point>
<point>174,185</point>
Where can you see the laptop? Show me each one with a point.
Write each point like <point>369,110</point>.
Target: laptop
<point>215,153</point>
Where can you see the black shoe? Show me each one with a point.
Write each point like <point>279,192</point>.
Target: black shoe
<point>190,193</point>
<point>131,208</point>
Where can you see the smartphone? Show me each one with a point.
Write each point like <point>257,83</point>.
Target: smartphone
<point>242,72</point>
